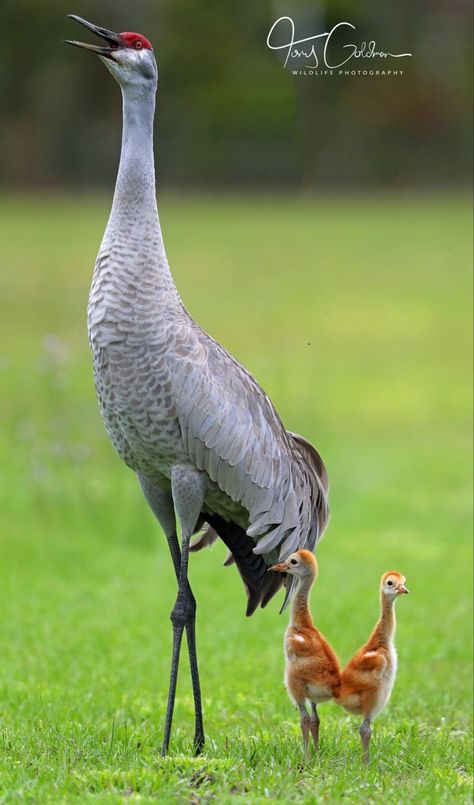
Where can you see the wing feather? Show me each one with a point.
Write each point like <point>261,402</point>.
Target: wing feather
<point>232,431</point>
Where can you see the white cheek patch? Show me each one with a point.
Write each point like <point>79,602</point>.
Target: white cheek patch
<point>299,638</point>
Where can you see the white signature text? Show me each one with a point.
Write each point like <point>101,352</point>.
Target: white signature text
<point>306,48</point>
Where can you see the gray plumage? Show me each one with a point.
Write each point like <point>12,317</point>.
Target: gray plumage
<point>170,395</point>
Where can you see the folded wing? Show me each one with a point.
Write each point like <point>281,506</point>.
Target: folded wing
<point>232,431</point>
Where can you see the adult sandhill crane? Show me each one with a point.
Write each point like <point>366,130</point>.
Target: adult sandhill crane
<point>203,438</point>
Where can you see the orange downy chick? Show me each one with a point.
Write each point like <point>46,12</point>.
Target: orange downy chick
<point>367,680</point>
<point>312,672</point>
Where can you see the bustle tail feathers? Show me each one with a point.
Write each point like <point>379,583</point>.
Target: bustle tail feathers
<point>319,485</point>
<point>260,585</point>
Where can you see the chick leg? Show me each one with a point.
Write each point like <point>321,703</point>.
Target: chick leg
<point>365,732</point>
<point>314,725</point>
<point>304,723</point>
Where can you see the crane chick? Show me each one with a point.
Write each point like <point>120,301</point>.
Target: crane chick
<point>367,680</point>
<point>312,672</point>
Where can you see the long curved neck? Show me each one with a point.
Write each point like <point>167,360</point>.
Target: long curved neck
<point>133,243</point>
<point>300,614</point>
<point>136,175</point>
<point>385,627</point>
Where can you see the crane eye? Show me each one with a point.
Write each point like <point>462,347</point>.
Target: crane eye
<point>293,562</point>
<point>137,45</point>
<point>390,583</point>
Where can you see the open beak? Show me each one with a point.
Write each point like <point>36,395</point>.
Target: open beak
<point>113,40</point>
<point>402,589</point>
<point>281,567</point>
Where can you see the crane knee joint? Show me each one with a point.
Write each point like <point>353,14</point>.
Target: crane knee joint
<point>365,731</point>
<point>183,612</point>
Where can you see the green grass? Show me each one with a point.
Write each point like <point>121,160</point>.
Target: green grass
<point>354,315</point>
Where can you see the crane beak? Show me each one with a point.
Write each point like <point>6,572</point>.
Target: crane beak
<point>114,40</point>
<point>402,589</point>
<point>281,567</point>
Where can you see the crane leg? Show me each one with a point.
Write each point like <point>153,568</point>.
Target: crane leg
<point>365,732</point>
<point>184,611</point>
<point>177,637</point>
<point>187,488</point>
<point>193,662</point>
<point>314,725</point>
<point>304,723</point>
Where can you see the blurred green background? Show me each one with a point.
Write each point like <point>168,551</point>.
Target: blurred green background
<point>354,314</point>
<point>321,230</point>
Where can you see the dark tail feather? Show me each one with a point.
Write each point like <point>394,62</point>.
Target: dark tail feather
<point>290,584</point>
<point>260,585</point>
<point>275,582</point>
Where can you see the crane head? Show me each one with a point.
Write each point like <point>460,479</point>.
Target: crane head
<point>128,56</point>
<point>393,584</point>
<point>301,564</point>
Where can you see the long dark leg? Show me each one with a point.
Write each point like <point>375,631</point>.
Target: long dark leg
<point>304,723</point>
<point>186,598</point>
<point>183,616</point>
<point>314,725</point>
<point>177,637</point>
<point>365,733</point>
<point>198,723</point>
<point>187,486</point>
<point>161,504</point>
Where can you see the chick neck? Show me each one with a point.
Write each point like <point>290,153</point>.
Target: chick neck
<point>300,614</point>
<point>385,628</point>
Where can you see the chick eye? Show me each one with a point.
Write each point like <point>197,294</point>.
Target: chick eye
<point>293,562</point>
<point>390,583</point>
<point>137,45</point>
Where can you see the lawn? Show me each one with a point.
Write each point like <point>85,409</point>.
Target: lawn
<point>353,313</point>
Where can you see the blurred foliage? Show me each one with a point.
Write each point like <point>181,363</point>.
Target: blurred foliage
<point>228,111</point>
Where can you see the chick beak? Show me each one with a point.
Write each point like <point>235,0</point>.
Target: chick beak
<point>281,567</point>
<point>113,39</point>
<point>402,589</point>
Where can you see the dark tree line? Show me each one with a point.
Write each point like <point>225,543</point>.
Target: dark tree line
<point>228,113</point>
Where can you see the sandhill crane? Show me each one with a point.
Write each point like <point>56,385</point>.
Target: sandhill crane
<point>312,672</point>
<point>203,438</point>
<point>367,680</point>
